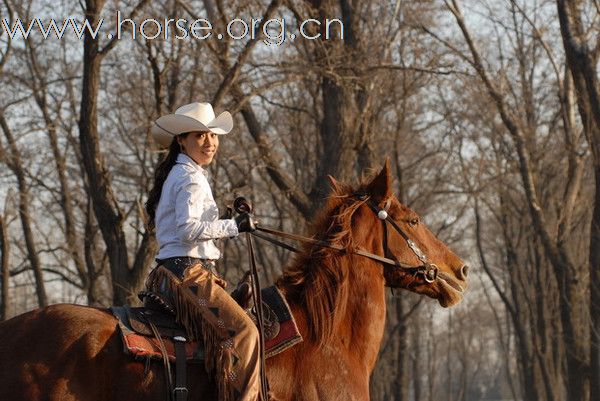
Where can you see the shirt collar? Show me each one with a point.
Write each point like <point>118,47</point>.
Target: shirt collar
<point>182,158</point>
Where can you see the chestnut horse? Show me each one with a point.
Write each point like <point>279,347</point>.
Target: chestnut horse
<point>69,352</point>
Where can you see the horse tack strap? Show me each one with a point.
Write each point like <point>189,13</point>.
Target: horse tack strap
<point>313,241</point>
<point>180,392</point>
<point>257,297</point>
<point>165,356</point>
<point>427,269</point>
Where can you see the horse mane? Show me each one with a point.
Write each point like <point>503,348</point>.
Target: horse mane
<point>318,276</point>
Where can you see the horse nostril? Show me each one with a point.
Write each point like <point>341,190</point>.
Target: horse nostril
<point>464,271</point>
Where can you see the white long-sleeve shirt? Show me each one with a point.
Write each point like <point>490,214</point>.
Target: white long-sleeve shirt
<point>187,217</point>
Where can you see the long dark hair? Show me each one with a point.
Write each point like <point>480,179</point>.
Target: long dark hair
<point>160,175</point>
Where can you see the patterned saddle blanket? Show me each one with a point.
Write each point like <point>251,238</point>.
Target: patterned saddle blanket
<point>281,331</point>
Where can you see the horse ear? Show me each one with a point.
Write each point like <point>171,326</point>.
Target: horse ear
<point>380,187</point>
<point>336,186</point>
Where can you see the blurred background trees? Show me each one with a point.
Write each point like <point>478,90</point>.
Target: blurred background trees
<point>488,110</point>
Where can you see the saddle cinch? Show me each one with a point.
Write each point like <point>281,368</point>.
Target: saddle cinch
<point>140,327</point>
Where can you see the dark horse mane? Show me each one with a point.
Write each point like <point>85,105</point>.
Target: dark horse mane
<point>318,277</point>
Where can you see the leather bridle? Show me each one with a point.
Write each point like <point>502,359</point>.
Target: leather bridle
<point>429,271</point>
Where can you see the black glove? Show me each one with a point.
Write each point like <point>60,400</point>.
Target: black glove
<point>228,214</point>
<point>245,222</point>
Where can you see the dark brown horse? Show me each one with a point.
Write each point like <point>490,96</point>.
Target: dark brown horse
<point>69,352</point>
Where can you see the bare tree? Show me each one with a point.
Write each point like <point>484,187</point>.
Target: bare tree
<point>582,48</point>
<point>564,263</point>
<point>108,213</point>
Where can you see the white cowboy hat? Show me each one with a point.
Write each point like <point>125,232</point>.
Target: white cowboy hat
<point>188,118</point>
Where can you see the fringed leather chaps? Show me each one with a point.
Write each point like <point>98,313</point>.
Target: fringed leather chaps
<point>231,339</point>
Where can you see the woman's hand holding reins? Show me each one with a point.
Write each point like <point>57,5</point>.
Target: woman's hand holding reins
<point>245,222</point>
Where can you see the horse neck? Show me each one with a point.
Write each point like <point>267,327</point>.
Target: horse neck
<point>363,325</point>
<point>359,319</point>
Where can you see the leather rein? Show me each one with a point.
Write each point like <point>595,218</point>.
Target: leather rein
<point>428,270</point>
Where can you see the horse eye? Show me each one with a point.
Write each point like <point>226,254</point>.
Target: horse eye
<point>413,222</point>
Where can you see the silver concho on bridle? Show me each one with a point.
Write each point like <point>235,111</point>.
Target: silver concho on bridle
<point>382,214</point>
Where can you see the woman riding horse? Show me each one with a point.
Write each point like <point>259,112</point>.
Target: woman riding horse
<point>337,297</point>
<point>182,208</point>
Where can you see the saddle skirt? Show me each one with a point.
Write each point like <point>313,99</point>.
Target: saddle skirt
<point>281,331</point>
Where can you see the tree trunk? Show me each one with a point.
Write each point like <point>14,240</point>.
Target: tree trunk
<point>4,273</point>
<point>344,131</point>
<point>24,214</point>
<point>402,357</point>
<point>107,212</point>
<point>417,362</point>
<point>582,61</point>
<point>126,277</point>
<point>595,292</point>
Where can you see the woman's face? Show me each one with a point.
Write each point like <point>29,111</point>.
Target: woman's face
<point>200,146</point>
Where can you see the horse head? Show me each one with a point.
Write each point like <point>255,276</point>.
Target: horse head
<point>386,227</point>
<point>358,231</point>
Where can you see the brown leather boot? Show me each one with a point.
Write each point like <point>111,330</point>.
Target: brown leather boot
<point>243,292</point>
